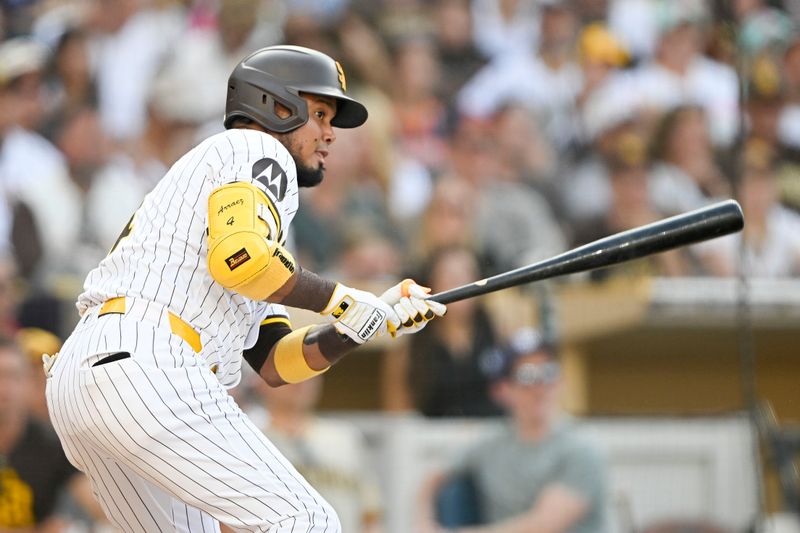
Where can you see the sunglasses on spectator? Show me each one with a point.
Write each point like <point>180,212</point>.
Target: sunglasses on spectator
<point>536,373</point>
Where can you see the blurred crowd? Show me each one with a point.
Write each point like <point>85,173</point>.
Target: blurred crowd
<point>514,128</point>
<point>500,132</point>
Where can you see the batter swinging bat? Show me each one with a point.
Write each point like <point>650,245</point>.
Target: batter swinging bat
<point>699,225</point>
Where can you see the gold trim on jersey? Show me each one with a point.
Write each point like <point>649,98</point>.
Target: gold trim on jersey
<point>178,326</point>
<point>276,320</point>
<point>185,331</point>
<point>273,209</point>
<point>113,306</point>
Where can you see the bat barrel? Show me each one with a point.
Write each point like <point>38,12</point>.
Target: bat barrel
<point>689,228</point>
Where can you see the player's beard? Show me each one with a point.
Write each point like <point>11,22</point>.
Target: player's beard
<point>307,176</point>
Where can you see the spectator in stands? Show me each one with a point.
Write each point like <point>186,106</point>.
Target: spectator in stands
<point>524,148</point>
<point>353,186</point>
<point>601,58</point>
<point>681,74</point>
<point>366,54</point>
<point>330,454</point>
<point>418,107</point>
<point>372,78</point>
<point>636,24</point>
<point>440,373</point>
<point>78,214</point>
<point>506,27</point>
<point>174,125</point>
<point>130,40</point>
<point>69,80</point>
<point>546,80</point>
<point>766,97</point>
<point>368,256</point>
<point>761,26</point>
<point>205,55</point>
<point>34,472</point>
<point>591,11</point>
<point>34,342</point>
<point>602,110</point>
<point>513,224</point>
<point>685,174</point>
<point>25,156</point>
<point>460,57</point>
<point>631,206</point>
<point>772,232</point>
<point>789,121</point>
<point>789,127</point>
<point>583,184</point>
<point>448,219</point>
<point>539,473</point>
<point>8,297</point>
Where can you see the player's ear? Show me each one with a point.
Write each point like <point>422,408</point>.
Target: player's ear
<point>281,110</point>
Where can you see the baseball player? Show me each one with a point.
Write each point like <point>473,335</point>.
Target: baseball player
<point>197,281</point>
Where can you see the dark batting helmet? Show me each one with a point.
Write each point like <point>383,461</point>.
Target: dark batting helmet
<point>280,74</point>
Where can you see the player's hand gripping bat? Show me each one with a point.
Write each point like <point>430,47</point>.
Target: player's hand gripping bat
<point>699,225</point>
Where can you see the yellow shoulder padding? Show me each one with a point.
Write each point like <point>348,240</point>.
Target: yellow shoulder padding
<point>289,359</point>
<point>243,254</point>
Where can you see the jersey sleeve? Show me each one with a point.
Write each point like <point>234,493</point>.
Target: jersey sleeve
<point>257,158</point>
<point>272,313</point>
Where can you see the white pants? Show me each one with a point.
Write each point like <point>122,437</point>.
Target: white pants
<point>165,446</point>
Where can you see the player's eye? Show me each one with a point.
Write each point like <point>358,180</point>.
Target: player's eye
<point>321,114</point>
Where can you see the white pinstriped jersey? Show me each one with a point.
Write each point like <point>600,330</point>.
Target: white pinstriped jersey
<point>164,445</point>
<point>162,255</point>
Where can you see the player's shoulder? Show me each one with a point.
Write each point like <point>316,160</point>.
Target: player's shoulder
<point>253,144</point>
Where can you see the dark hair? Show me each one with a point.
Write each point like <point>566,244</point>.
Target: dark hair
<point>425,273</point>
<point>665,129</point>
<point>499,363</point>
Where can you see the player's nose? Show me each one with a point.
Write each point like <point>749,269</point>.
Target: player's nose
<point>328,134</point>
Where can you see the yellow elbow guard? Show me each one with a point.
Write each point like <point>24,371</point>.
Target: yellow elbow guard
<point>243,255</point>
<point>290,363</point>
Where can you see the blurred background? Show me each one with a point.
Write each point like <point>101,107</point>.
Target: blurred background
<point>500,132</point>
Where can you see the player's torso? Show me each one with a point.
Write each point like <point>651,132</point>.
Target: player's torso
<point>161,256</point>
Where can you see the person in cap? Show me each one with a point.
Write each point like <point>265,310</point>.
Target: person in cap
<point>538,473</point>
<point>199,280</point>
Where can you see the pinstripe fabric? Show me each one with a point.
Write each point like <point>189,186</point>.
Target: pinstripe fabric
<point>163,258</point>
<point>164,444</point>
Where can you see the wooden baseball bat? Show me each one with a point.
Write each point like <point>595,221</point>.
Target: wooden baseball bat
<point>688,228</point>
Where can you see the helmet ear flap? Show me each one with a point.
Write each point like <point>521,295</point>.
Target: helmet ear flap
<point>256,100</point>
<point>297,107</point>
